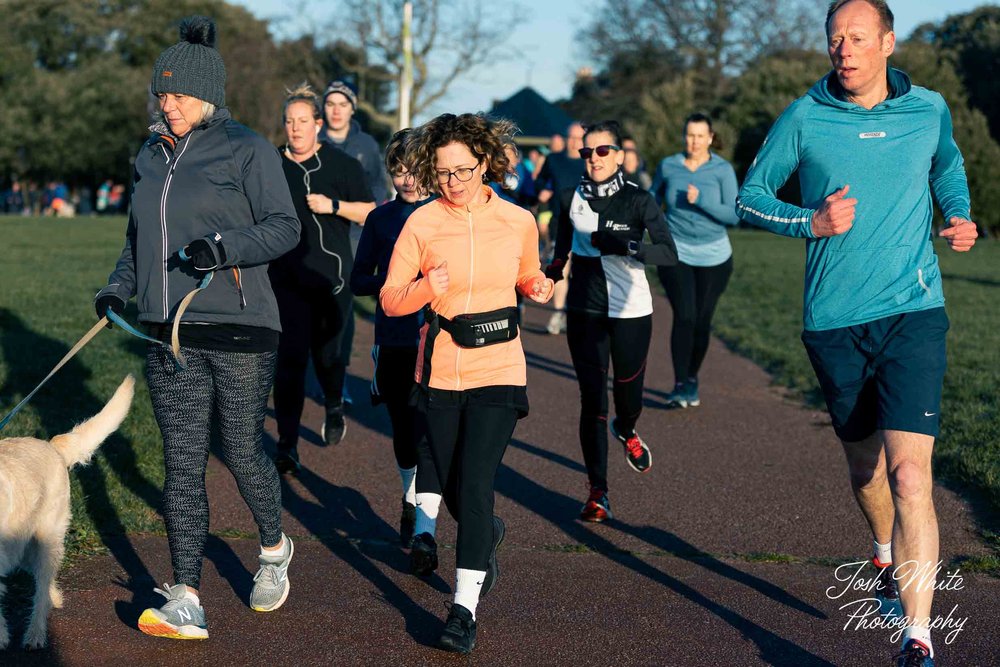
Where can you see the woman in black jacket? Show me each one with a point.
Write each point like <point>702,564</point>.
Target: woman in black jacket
<point>208,200</point>
<point>311,282</point>
<point>603,220</point>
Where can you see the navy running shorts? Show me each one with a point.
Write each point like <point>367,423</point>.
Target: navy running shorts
<point>882,375</point>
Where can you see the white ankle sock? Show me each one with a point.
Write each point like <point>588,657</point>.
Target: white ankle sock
<point>883,552</point>
<point>276,554</point>
<point>921,634</point>
<point>427,511</point>
<point>468,583</point>
<point>409,478</point>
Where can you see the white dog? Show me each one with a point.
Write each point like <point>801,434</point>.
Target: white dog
<point>35,509</point>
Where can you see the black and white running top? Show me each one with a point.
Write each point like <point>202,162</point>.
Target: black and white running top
<point>609,278</point>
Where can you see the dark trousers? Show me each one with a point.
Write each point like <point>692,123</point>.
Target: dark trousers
<point>311,322</point>
<point>227,390</point>
<point>593,339</point>
<point>693,292</point>
<point>467,441</point>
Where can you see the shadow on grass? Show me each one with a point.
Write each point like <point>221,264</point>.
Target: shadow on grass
<point>561,511</point>
<point>62,403</point>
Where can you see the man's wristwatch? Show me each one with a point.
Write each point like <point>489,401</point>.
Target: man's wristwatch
<point>336,205</point>
<point>633,248</point>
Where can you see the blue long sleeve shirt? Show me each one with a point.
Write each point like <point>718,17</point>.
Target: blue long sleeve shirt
<point>893,156</point>
<point>371,265</point>
<point>699,229</point>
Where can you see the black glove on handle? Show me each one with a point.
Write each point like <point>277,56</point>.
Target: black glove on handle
<point>103,303</point>
<point>206,254</point>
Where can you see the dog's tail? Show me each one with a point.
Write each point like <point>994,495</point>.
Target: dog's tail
<point>79,445</point>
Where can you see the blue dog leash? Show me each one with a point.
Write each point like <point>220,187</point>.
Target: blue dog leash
<point>174,347</point>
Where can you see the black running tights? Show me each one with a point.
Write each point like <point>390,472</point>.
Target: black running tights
<point>693,292</point>
<point>593,339</point>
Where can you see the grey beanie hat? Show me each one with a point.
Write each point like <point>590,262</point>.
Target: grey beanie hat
<point>192,66</point>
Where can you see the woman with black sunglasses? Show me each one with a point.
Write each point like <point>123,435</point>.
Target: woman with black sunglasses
<point>603,221</point>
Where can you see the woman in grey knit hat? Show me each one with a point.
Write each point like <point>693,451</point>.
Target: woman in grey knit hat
<point>209,202</point>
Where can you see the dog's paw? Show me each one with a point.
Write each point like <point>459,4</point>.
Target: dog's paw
<point>56,596</point>
<point>34,640</point>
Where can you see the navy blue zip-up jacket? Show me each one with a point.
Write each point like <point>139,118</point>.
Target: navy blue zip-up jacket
<point>371,264</point>
<point>221,179</point>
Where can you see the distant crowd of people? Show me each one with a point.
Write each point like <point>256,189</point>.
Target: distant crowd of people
<point>59,200</point>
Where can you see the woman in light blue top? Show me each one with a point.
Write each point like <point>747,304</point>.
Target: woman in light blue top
<point>699,190</point>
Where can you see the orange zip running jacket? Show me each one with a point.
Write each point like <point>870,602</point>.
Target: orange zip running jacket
<point>491,249</point>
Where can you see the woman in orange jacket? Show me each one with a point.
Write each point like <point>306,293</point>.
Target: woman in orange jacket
<point>460,258</point>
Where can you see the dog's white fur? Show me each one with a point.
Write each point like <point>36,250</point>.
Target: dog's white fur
<point>35,507</point>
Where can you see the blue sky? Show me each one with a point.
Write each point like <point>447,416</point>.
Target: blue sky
<point>542,49</point>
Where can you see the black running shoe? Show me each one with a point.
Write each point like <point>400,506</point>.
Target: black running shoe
<point>334,428</point>
<point>287,461</point>
<point>637,453</point>
<point>914,654</point>
<point>459,634</point>
<point>407,520</point>
<point>492,566</point>
<point>423,555</point>
<point>886,591</point>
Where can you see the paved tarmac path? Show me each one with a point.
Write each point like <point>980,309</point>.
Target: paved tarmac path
<point>721,555</point>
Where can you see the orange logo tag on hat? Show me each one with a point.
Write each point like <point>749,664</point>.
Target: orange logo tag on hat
<point>167,73</point>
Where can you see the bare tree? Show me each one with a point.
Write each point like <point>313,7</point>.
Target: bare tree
<point>450,39</point>
<point>715,39</point>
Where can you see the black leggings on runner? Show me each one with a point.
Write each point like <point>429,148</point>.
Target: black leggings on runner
<point>227,390</point>
<point>467,440</point>
<point>592,340</point>
<point>311,321</point>
<point>693,292</point>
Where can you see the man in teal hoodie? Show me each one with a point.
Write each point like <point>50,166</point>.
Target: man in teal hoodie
<point>870,148</point>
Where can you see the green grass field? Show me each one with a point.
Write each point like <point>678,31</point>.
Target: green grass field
<point>760,316</point>
<point>52,268</point>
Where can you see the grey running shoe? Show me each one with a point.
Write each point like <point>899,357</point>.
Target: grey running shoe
<point>691,393</point>
<point>180,618</point>
<point>270,588</point>
<point>678,398</point>
<point>557,323</point>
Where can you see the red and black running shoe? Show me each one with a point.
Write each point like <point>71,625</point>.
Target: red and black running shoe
<point>637,453</point>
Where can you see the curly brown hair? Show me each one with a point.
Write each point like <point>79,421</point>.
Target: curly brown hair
<point>395,151</point>
<point>485,138</point>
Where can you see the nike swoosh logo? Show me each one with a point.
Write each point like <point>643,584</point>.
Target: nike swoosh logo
<point>480,583</point>
<point>929,414</point>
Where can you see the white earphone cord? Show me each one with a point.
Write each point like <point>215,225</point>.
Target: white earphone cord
<point>307,181</point>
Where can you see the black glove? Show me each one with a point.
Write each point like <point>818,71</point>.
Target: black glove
<point>554,271</point>
<point>205,254</point>
<point>609,244</point>
<point>112,301</point>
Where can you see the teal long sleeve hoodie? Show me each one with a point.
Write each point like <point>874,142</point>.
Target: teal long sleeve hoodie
<point>893,156</point>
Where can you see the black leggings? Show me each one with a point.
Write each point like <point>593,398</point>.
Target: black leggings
<point>311,321</point>
<point>693,292</point>
<point>467,439</point>
<point>592,339</point>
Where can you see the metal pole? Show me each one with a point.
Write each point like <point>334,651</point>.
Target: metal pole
<point>406,75</point>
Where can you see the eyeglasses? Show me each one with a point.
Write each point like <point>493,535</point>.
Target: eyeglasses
<point>602,151</point>
<point>463,175</point>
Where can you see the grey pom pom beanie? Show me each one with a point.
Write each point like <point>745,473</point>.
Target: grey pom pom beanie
<point>192,66</point>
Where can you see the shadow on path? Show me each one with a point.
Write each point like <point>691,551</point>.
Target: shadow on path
<point>344,522</point>
<point>561,510</point>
